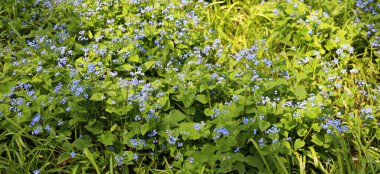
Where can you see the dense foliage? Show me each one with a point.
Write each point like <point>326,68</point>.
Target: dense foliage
<point>140,86</point>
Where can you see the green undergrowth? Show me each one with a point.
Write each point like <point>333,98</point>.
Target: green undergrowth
<point>138,86</point>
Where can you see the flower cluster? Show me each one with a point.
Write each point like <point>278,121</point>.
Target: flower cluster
<point>333,125</point>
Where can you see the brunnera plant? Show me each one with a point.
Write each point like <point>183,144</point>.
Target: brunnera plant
<point>144,86</point>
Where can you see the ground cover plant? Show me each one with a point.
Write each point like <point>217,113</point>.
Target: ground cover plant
<point>182,86</point>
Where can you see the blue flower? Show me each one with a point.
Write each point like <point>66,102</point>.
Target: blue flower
<point>235,97</point>
<point>20,101</point>
<point>119,160</point>
<point>57,88</point>
<point>339,51</point>
<point>37,130</point>
<point>197,126</point>
<point>153,133</point>
<point>137,118</point>
<point>245,120</point>
<point>135,157</point>
<point>72,154</point>
<point>191,160</point>
<point>334,124</point>
<point>261,142</point>
<point>79,90</point>
<point>272,130</point>
<point>172,139</point>
<point>354,71</point>
<point>216,112</point>
<point>47,127</point>
<point>35,119</point>
<point>220,131</point>
<point>63,101</point>
<point>39,68</point>
<point>133,142</point>
<point>31,92</point>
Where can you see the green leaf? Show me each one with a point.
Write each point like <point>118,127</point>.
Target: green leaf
<point>95,128</point>
<point>35,79</point>
<point>98,34</point>
<point>208,112</point>
<point>171,45</point>
<point>113,127</point>
<point>201,98</point>
<point>4,108</point>
<point>111,93</point>
<point>239,166</point>
<point>125,49</point>
<point>263,125</point>
<point>298,144</point>
<point>66,146</point>
<point>92,160</point>
<point>147,65</point>
<point>145,128</point>
<point>172,119</point>
<point>97,97</point>
<point>82,143</point>
<point>7,66</point>
<point>90,34</point>
<point>176,116</point>
<point>316,127</point>
<point>186,97</point>
<point>203,87</point>
<point>300,92</point>
<point>378,135</point>
<point>63,157</point>
<point>254,161</point>
<point>162,101</point>
<point>135,58</point>
<point>317,140</point>
<point>107,138</point>
<point>311,114</point>
<point>279,109</point>
<point>301,132</point>
<point>124,67</point>
<point>339,103</point>
<point>189,127</point>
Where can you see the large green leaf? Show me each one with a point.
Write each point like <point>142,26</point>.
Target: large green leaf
<point>135,58</point>
<point>201,98</point>
<point>176,116</point>
<point>97,97</point>
<point>317,140</point>
<point>145,128</point>
<point>298,144</point>
<point>300,92</point>
<point>82,143</point>
<point>106,138</point>
<point>124,67</point>
<point>147,65</point>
